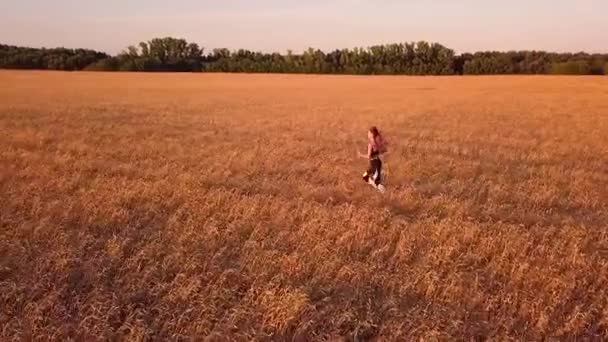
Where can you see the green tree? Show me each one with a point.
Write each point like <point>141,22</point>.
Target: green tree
<point>420,58</point>
<point>571,68</point>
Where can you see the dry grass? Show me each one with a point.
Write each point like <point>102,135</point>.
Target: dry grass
<point>231,206</point>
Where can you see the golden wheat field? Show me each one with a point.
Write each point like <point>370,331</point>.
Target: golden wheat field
<point>231,207</point>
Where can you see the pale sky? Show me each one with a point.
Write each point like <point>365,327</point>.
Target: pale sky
<point>278,25</point>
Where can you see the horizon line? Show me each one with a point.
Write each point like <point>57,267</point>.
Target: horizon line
<point>284,51</point>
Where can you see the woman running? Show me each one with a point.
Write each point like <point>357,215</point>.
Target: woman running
<point>375,147</point>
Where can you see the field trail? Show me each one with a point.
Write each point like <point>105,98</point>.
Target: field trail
<point>165,206</point>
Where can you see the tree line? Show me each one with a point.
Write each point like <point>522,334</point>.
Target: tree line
<point>419,58</point>
<point>12,57</point>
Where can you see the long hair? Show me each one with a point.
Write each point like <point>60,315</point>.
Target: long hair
<point>379,142</point>
<point>375,132</point>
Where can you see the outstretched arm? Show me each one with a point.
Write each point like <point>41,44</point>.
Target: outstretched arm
<point>369,152</point>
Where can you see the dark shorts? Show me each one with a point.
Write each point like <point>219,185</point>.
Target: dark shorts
<point>374,170</point>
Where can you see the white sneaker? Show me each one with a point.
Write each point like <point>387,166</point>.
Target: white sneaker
<point>381,188</point>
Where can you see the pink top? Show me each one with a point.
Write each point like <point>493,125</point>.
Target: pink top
<point>376,147</point>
